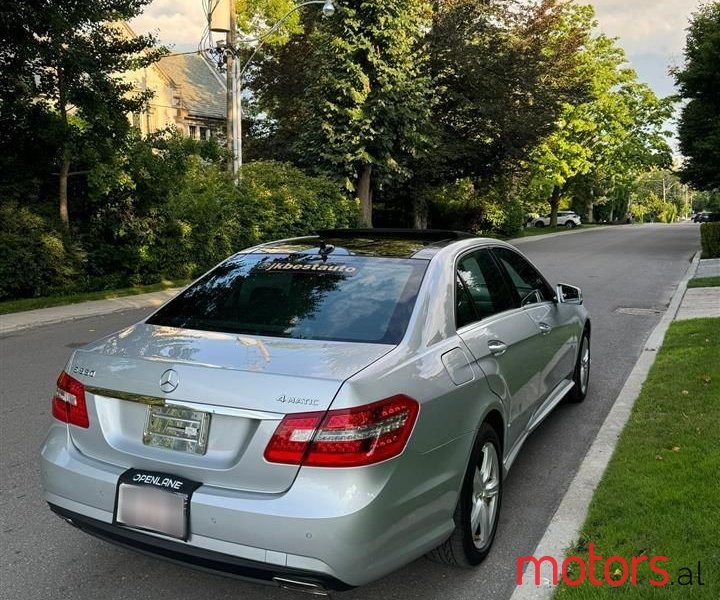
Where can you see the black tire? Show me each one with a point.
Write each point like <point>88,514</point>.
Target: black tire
<point>570,224</point>
<point>461,549</point>
<point>581,378</point>
<point>539,224</point>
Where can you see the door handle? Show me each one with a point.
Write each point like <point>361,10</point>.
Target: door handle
<point>544,328</point>
<point>496,347</point>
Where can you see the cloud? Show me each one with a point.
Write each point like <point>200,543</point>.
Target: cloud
<point>178,23</point>
<point>647,26</point>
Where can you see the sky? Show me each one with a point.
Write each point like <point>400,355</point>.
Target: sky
<point>652,32</point>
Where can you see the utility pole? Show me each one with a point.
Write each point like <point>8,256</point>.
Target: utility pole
<point>234,71</point>
<point>230,60</point>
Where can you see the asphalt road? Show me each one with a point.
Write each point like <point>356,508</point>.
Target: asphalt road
<point>633,267</point>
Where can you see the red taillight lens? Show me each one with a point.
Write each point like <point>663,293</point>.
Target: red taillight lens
<point>68,402</point>
<point>348,437</point>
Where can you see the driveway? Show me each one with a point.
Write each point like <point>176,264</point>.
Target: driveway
<point>628,275</point>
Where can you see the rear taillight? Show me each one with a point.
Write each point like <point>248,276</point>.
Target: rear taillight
<point>348,437</point>
<point>68,402</point>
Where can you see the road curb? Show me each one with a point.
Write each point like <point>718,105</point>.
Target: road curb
<point>14,322</point>
<point>547,236</point>
<point>566,524</point>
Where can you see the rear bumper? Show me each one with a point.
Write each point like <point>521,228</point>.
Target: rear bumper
<point>339,528</point>
<point>197,557</point>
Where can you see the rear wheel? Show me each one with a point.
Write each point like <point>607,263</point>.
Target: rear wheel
<point>478,509</point>
<point>581,376</point>
<point>539,224</point>
<point>570,224</point>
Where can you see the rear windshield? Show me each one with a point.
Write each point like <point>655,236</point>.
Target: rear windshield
<point>340,298</point>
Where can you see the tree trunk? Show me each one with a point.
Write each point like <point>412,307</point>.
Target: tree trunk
<point>420,214</point>
<point>554,204</point>
<point>65,152</point>
<point>365,195</point>
<point>62,192</point>
<point>589,217</point>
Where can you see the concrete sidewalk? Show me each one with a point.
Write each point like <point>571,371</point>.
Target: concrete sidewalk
<point>47,316</point>
<point>704,302</point>
<point>708,267</point>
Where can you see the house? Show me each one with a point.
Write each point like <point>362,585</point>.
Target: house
<point>189,93</point>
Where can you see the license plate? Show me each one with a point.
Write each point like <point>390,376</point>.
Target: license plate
<point>154,502</point>
<point>177,428</point>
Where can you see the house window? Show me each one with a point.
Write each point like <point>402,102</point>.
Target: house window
<point>204,133</point>
<point>193,131</point>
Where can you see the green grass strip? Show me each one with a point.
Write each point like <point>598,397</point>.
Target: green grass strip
<point>699,282</point>
<point>660,495</point>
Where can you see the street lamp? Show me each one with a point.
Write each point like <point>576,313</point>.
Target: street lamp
<point>328,9</point>
<point>235,73</point>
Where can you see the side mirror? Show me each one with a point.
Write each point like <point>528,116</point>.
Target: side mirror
<point>568,294</point>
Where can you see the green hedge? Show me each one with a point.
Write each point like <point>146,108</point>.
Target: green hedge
<point>710,239</point>
<point>170,214</point>
<point>213,217</point>
<point>35,259</point>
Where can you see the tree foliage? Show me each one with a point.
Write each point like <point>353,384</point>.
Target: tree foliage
<point>502,73</point>
<point>352,95</point>
<point>699,84</point>
<point>61,61</point>
<point>607,140</point>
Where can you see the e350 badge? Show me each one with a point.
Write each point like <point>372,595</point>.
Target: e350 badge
<point>84,371</point>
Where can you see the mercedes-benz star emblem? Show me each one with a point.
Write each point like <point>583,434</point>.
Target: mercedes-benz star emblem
<point>169,381</point>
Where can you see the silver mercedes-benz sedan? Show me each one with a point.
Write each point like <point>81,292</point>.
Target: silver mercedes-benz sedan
<point>319,411</point>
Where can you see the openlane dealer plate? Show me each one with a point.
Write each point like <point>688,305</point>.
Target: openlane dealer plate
<point>155,502</point>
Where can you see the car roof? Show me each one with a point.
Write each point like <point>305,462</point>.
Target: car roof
<point>381,242</point>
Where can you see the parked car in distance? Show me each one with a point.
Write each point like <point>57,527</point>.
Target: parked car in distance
<point>565,218</point>
<point>706,217</point>
<point>320,411</point>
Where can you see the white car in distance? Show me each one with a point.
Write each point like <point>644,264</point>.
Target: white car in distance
<point>565,218</point>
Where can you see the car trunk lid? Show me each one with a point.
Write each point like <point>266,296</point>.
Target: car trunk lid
<point>239,385</point>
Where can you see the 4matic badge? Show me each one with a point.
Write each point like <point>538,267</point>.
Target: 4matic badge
<point>296,400</point>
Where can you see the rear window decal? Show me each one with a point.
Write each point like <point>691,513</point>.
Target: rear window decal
<point>334,268</point>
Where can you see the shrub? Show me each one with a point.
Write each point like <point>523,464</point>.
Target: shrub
<point>212,217</point>
<point>513,219</point>
<point>36,259</point>
<point>455,206</point>
<point>200,224</point>
<point>460,206</point>
<point>277,200</point>
<point>710,239</point>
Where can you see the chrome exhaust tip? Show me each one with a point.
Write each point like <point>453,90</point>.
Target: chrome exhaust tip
<point>306,587</point>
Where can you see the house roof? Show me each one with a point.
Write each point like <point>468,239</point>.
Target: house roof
<point>202,87</point>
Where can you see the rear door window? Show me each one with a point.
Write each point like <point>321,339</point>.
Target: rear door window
<point>483,284</point>
<point>305,296</point>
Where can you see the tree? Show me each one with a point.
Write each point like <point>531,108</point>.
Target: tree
<point>351,95</point>
<point>502,71</point>
<point>660,195</point>
<point>606,141</point>
<point>699,84</point>
<point>66,58</point>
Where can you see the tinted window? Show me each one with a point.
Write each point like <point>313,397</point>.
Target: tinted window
<point>483,283</point>
<point>464,309</point>
<point>343,298</point>
<point>527,281</point>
